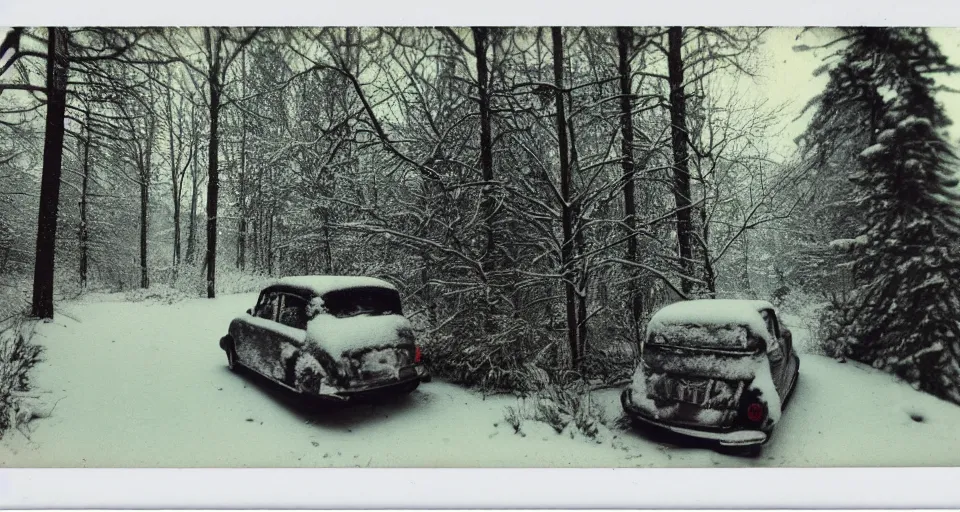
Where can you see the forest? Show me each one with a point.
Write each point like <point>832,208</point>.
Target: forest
<point>534,193</point>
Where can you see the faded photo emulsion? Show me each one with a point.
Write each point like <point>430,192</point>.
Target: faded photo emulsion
<point>479,247</point>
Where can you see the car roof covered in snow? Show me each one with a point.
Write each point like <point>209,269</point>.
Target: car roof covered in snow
<point>321,285</point>
<point>712,313</point>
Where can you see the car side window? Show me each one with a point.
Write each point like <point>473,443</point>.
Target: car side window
<point>268,307</point>
<point>293,311</point>
<point>771,321</point>
<point>773,349</point>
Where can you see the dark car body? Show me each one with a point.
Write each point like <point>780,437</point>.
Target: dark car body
<point>332,337</point>
<point>719,370</point>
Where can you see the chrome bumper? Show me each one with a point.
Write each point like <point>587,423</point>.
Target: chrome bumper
<point>418,374</point>
<point>728,438</point>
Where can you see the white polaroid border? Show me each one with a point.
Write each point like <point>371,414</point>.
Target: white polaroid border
<point>883,488</point>
<point>938,13</point>
<point>710,488</point>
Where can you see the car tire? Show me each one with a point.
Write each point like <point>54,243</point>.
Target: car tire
<point>406,390</point>
<point>232,363</point>
<point>748,452</point>
<point>793,386</point>
<point>752,451</point>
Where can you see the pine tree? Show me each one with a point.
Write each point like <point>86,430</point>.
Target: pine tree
<point>845,120</point>
<point>904,316</point>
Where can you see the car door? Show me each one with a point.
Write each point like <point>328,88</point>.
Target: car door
<point>792,363</point>
<point>290,335</point>
<point>282,337</point>
<point>776,352</point>
<point>255,333</point>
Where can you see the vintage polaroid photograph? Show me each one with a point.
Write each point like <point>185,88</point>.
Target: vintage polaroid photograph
<point>509,246</point>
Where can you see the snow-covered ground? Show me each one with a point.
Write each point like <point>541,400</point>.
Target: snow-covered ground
<point>144,384</point>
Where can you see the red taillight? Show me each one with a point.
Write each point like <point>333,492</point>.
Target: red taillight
<point>755,412</point>
<point>417,355</point>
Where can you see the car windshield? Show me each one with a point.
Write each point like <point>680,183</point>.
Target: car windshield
<point>362,301</point>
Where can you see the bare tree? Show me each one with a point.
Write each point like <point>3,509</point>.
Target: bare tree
<point>182,147</point>
<point>481,37</point>
<point>58,63</point>
<point>83,230</point>
<point>624,49</point>
<point>82,50</point>
<point>680,139</point>
<point>567,247</point>
<point>220,48</point>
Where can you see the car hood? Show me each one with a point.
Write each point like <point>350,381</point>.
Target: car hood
<point>339,336</point>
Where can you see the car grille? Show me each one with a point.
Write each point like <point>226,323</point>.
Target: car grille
<point>706,393</point>
<point>379,365</point>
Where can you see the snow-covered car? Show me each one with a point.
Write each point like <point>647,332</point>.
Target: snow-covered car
<point>333,337</point>
<point>714,369</point>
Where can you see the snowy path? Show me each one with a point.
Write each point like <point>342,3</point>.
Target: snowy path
<point>145,385</point>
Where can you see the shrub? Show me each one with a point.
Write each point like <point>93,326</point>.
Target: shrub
<point>518,358</point>
<point>514,419</point>
<point>14,295</point>
<point>569,410</point>
<point>17,357</point>
<point>836,319</point>
<point>610,365</point>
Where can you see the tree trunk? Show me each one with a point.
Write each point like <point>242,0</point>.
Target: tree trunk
<point>566,250</point>
<point>144,200</point>
<point>481,40</point>
<point>327,249</point>
<point>242,200</point>
<point>680,139</point>
<point>145,177</point>
<point>579,244</point>
<point>487,204</point>
<point>257,234</point>
<point>745,272</point>
<point>57,68</point>
<point>82,234</point>
<point>175,183</point>
<point>213,177</point>
<point>194,192</point>
<point>242,243</point>
<point>258,227</point>
<point>176,234</point>
<point>270,244</point>
<point>582,303</point>
<point>624,47</point>
<point>242,227</point>
<point>709,274</point>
